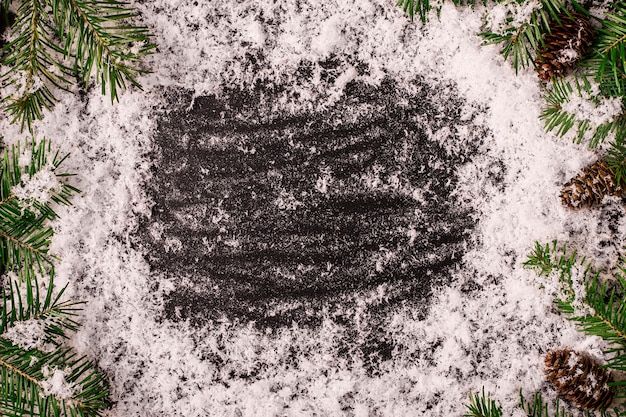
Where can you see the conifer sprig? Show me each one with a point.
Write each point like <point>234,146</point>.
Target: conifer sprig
<point>611,47</point>
<point>483,406</point>
<point>38,376</point>
<point>28,302</point>
<point>538,408</point>
<point>607,320</point>
<point>616,160</point>
<point>33,62</point>
<point>605,316</point>
<point>549,258</point>
<point>423,7</point>
<point>521,40</point>
<point>24,232</point>
<point>55,384</point>
<point>101,43</point>
<point>54,40</point>
<point>557,117</point>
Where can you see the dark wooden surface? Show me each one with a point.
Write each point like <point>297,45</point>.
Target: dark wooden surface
<point>244,225</point>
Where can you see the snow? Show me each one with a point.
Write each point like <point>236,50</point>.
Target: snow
<point>29,334</point>
<point>56,384</point>
<point>40,187</point>
<point>493,335</point>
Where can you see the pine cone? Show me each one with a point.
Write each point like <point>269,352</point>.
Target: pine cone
<point>565,45</point>
<point>590,186</point>
<point>579,379</point>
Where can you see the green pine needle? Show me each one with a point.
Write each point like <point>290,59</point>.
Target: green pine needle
<point>26,384</point>
<point>31,304</point>
<point>483,406</point>
<point>611,47</point>
<point>423,7</point>
<point>35,381</point>
<point>607,320</point>
<point>24,233</point>
<point>557,119</point>
<point>549,258</point>
<point>538,408</point>
<point>53,40</point>
<point>617,161</point>
<point>101,43</point>
<point>605,316</point>
<point>521,43</point>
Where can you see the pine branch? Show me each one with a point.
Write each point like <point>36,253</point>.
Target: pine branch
<point>33,62</point>
<point>19,305</point>
<point>423,7</point>
<point>522,40</point>
<point>53,40</point>
<point>537,408</point>
<point>607,320</point>
<point>101,43</point>
<point>58,384</point>
<point>24,234</point>
<point>483,406</point>
<point>557,117</point>
<point>617,161</point>
<point>548,258</point>
<point>611,47</point>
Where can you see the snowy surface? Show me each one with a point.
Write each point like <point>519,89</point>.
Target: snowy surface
<point>488,326</point>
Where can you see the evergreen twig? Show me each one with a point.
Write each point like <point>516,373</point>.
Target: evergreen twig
<point>556,117</point>
<point>24,233</point>
<point>28,385</point>
<point>53,40</point>
<point>19,305</point>
<point>549,258</point>
<point>522,40</point>
<point>616,160</point>
<point>483,406</point>
<point>611,47</point>
<point>538,408</point>
<point>423,7</point>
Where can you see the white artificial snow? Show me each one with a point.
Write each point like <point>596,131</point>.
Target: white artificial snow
<point>40,187</point>
<point>56,384</point>
<point>25,157</point>
<point>592,107</point>
<point>510,14</point>
<point>494,336</point>
<point>28,334</point>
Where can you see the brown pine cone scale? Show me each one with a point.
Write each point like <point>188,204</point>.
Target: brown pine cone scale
<point>564,46</point>
<point>579,379</point>
<point>588,188</point>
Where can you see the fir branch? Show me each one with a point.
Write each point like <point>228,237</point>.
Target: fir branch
<point>611,47</point>
<point>522,42</point>
<point>33,61</point>
<point>54,40</point>
<point>616,160</point>
<point>607,319</point>
<point>27,390</point>
<point>410,7</point>
<point>483,406</point>
<point>423,7</point>
<point>557,118</point>
<point>537,408</point>
<point>549,258</point>
<point>19,305</point>
<point>102,44</point>
<point>24,234</point>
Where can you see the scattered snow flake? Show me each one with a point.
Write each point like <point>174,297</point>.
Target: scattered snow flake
<point>56,384</point>
<point>29,334</point>
<point>40,187</point>
<point>287,201</point>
